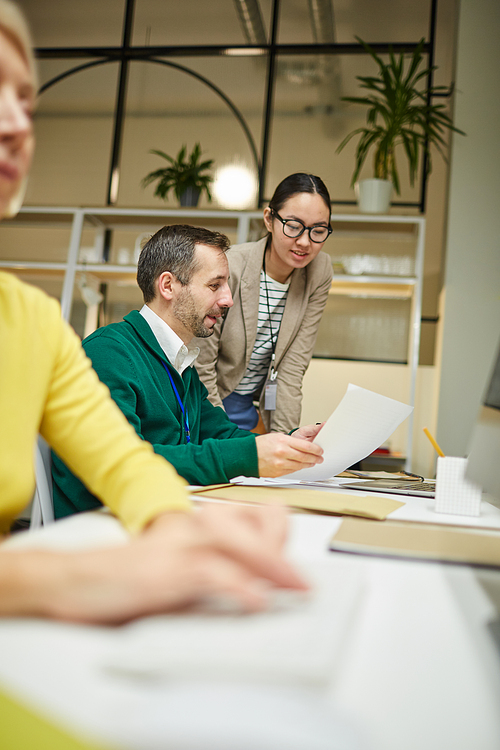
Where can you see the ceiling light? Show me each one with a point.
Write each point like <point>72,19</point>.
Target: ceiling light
<point>235,187</point>
<point>245,51</point>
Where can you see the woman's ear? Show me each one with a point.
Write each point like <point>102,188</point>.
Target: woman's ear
<point>268,219</point>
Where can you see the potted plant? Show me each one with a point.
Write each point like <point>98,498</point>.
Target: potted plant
<point>187,176</point>
<point>398,114</point>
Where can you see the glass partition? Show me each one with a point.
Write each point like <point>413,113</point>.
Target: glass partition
<point>310,120</point>
<point>188,23</point>
<point>74,133</point>
<point>167,108</point>
<point>381,21</point>
<point>77,23</point>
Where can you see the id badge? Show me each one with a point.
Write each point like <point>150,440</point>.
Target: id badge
<point>270,396</point>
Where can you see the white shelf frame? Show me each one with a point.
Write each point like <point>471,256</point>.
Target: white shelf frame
<point>79,215</point>
<point>416,313</point>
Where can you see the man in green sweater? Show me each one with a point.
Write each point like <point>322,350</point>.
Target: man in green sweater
<point>147,363</point>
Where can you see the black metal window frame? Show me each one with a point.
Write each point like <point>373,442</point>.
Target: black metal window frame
<point>126,53</point>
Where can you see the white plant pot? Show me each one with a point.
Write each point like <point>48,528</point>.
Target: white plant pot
<point>374,196</point>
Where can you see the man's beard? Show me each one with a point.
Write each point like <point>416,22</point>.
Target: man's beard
<point>185,311</point>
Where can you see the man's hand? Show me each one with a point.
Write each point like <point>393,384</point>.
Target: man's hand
<point>178,560</point>
<point>309,432</point>
<point>280,454</point>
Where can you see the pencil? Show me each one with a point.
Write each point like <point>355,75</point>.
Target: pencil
<point>433,442</point>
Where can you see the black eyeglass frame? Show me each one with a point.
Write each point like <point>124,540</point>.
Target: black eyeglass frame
<point>284,222</point>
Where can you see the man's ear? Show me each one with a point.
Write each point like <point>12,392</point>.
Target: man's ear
<point>165,285</point>
<point>268,219</point>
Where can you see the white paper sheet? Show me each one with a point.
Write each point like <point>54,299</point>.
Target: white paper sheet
<point>361,423</point>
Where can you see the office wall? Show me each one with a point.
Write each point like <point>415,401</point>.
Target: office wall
<point>471,320</point>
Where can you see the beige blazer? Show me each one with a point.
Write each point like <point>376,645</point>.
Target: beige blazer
<point>225,355</point>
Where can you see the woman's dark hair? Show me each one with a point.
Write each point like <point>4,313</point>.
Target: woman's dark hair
<point>299,183</point>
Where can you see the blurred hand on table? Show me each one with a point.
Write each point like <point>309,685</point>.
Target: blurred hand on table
<point>179,559</point>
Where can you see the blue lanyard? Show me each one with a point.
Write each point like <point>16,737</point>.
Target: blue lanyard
<point>184,412</point>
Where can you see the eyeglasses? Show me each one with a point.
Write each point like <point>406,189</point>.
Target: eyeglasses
<point>294,228</point>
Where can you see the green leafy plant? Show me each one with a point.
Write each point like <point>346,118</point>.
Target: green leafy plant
<point>183,172</point>
<point>398,113</point>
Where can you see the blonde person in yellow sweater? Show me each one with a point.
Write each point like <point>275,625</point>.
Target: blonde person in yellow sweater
<point>47,386</point>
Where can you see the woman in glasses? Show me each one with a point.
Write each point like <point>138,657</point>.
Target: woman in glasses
<point>280,285</point>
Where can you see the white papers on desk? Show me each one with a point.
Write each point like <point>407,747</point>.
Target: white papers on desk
<point>361,423</point>
<point>297,641</point>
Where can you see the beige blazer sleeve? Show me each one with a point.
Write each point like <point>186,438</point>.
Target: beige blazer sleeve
<point>225,355</point>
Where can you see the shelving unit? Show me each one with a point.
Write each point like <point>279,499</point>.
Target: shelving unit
<point>102,219</point>
<point>373,229</point>
<point>406,285</point>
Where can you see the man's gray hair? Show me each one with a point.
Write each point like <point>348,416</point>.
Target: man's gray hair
<point>172,249</point>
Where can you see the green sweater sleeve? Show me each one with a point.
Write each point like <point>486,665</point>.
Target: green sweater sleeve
<point>218,450</point>
<point>215,452</point>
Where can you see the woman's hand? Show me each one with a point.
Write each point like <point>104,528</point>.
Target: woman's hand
<point>178,560</point>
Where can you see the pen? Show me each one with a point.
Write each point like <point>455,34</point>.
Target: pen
<point>415,476</point>
<point>433,442</point>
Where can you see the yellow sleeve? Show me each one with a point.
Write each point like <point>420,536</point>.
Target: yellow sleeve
<point>23,728</point>
<point>86,428</point>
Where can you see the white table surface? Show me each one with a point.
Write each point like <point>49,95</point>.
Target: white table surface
<point>416,669</point>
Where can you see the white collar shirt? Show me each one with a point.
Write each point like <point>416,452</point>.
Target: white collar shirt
<point>178,354</point>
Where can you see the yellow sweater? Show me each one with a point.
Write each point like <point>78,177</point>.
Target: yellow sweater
<point>47,386</point>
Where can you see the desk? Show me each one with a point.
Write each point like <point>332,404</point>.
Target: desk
<point>417,670</point>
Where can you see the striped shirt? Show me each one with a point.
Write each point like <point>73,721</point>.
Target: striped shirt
<point>267,330</point>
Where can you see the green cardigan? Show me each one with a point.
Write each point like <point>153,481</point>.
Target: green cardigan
<point>129,360</point>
